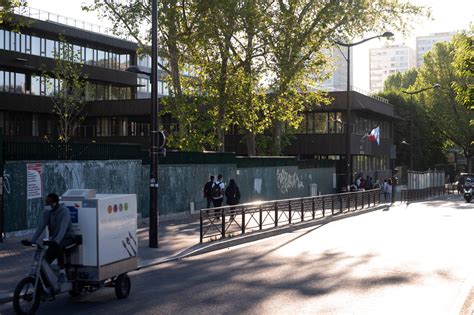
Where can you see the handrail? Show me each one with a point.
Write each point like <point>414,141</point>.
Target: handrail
<point>259,215</point>
<point>343,88</point>
<point>43,15</point>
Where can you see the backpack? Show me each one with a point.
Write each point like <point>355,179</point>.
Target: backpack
<point>216,190</point>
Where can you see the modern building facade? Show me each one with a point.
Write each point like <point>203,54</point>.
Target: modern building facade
<point>425,43</point>
<point>115,110</point>
<point>387,60</point>
<point>322,136</point>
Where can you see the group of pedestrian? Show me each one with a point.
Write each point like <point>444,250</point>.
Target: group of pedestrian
<point>363,184</point>
<point>215,191</point>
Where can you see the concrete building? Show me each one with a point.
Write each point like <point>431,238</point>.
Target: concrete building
<point>425,43</point>
<point>388,60</point>
<point>338,79</point>
<point>117,105</point>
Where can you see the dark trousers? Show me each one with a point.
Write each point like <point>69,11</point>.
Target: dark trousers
<point>209,201</point>
<point>217,203</point>
<point>56,251</point>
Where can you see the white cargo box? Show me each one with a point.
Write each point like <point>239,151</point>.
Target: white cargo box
<point>108,226</point>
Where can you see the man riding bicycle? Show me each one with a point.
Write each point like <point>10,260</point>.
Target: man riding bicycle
<point>58,220</point>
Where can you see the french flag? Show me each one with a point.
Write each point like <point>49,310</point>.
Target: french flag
<point>374,135</point>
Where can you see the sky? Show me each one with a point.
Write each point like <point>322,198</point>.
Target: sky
<point>447,16</point>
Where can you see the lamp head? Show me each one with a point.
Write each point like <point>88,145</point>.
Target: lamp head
<point>387,34</point>
<point>436,86</point>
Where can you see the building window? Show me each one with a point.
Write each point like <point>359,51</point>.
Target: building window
<point>20,83</point>
<point>49,50</point>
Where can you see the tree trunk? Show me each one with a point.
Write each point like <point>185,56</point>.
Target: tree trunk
<point>173,51</point>
<point>251,145</point>
<point>277,134</point>
<point>224,51</point>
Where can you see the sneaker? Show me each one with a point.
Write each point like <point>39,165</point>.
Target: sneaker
<point>61,278</point>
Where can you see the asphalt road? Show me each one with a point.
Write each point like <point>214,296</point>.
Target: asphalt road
<point>408,260</point>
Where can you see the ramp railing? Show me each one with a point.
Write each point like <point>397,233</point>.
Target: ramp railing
<point>221,222</point>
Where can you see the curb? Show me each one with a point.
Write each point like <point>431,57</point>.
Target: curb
<point>201,249</point>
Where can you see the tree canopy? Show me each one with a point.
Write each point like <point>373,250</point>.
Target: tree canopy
<point>443,115</point>
<point>255,63</point>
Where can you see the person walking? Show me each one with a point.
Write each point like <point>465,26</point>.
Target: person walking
<point>389,190</point>
<point>385,189</point>
<point>217,192</point>
<point>232,194</point>
<point>207,191</point>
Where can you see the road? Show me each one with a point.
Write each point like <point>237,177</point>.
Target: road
<point>407,260</point>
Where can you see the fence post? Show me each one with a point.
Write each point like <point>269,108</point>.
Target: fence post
<point>276,214</point>
<point>313,205</point>
<point>356,199</point>
<point>289,210</point>
<point>332,204</point>
<point>324,207</point>
<point>302,210</point>
<point>223,222</point>
<point>261,218</point>
<point>243,220</point>
<point>200,227</point>
<point>340,203</point>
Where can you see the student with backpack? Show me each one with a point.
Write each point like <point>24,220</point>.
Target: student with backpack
<point>217,192</point>
<point>232,194</point>
<point>207,191</point>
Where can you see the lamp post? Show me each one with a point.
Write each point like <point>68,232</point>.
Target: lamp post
<point>348,101</point>
<point>154,141</point>
<point>411,93</point>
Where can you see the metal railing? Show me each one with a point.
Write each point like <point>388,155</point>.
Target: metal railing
<point>57,18</point>
<point>408,195</point>
<point>221,222</point>
<point>343,88</point>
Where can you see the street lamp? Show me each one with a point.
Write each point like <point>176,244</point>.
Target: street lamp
<point>411,93</point>
<point>348,100</point>
<point>154,143</point>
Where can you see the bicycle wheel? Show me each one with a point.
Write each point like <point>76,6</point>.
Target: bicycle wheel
<point>25,301</point>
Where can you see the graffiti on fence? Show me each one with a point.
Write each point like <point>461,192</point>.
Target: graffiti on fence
<point>286,181</point>
<point>6,182</point>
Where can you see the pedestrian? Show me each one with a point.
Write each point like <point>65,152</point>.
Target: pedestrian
<point>385,189</point>
<point>232,194</point>
<point>368,183</point>
<point>377,184</point>
<point>217,193</point>
<point>389,190</point>
<point>207,191</point>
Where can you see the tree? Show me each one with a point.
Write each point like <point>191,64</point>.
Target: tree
<point>298,32</point>
<point>400,80</point>
<point>7,10</point>
<point>463,64</point>
<point>255,61</point>
<point>67,84</point>
<point>444,107</point>
<point>428,144</point>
